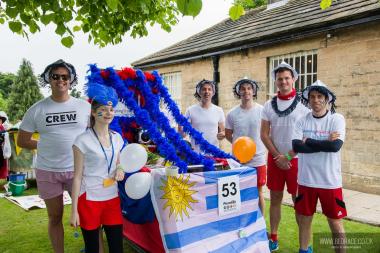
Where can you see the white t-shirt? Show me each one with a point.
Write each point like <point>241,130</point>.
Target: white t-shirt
<point>58,125</point>
<point>205,121</point>
<point>281,128</point>
<point>247,123</point>
<point>321,169</point>
<point>95,166</point>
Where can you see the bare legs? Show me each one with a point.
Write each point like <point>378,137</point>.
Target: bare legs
<point>54,208</point>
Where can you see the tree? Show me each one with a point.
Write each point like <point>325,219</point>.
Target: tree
<point>6,81</point>
<point>75,93</point>
<point>105,22</point>
<point>3,103</point>
<point>24,92</point>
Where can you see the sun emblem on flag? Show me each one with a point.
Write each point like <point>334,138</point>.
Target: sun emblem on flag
<point>178,195</point>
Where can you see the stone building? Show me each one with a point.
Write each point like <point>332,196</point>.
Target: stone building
<point>340,46</point>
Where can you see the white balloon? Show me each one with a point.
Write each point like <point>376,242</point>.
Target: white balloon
<point>133,157</point>
<point>138,185</point>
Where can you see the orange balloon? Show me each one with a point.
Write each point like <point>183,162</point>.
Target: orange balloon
<point>244,148</point>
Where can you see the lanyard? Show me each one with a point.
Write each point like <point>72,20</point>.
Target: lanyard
<point>104,152</point>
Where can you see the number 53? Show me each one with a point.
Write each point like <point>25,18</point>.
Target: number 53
<point>228,189</point>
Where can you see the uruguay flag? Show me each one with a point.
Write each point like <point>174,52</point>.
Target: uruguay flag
<point>186,207</point>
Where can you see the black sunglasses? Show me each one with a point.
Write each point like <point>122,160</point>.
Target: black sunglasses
<point>62,77</point>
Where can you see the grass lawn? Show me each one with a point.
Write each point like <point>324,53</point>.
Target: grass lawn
<point>288,231</point>
<point>22,231</point>
<point>26,231</point>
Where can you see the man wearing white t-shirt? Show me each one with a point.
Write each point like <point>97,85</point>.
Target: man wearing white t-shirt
<point>206,117</point>
<point>58,119</point>
<point>318,138</point>
<point>278,120</point>
<point>245,120</point>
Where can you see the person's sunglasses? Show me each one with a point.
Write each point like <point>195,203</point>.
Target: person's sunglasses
<point>62,77</point>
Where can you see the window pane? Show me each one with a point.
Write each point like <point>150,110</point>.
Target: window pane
<point>297,67</point>
<point>309,63</point>
<point>315,61</point>
<point>291,62</point>
<point>302,65</point>
<point>275,63</point>
<point>309,82</point>
<point>302,82</point>
<point>314,78</point>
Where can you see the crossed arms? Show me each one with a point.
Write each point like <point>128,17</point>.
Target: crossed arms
<point>308,145</point>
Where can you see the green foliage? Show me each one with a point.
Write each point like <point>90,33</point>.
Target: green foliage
<point>106,22</point>
<point>15,27</point>
<point>3,103</point>
<point>24,92</point>
<point>6,82</point>
<point>112,4</point>
<point>325,4</point>
<point>249,4</point>
<point>67,41</point>
<point>189,7</point>
<point>236,12</point>
<point>75,93</point>
<point>240,6</point>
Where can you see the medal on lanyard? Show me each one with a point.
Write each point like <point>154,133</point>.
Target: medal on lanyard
<point>107,181</point>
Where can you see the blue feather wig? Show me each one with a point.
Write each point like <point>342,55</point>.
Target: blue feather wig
<point>102,94</point>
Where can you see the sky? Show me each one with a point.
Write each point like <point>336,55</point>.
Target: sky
<point>44,47</point>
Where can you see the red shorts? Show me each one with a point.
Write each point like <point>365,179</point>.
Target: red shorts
<point>92,214</point>
<point>278,177</point>
<point>261,175</point>
<point>331,200</point>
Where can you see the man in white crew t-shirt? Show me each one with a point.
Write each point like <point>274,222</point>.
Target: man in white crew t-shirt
<point>206,117</point>
<point>278,120</point>
<point>318,138</point>
<point>58,119</point>
<point>245,120</point>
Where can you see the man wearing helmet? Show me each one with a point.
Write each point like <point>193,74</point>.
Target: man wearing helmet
<point>58,119</point>
<point>245,120</point>
<point>206,117</point>
<point>278,121</point>
<point>318,138</point>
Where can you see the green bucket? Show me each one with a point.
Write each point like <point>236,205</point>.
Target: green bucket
<point>17,188</point>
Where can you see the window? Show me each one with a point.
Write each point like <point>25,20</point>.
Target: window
<point>305,63</point>
<point>173,81</point>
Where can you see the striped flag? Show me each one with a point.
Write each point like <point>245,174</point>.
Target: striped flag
<point>186,207</point>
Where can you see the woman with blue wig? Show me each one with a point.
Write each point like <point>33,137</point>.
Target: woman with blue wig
<point>95,200</point>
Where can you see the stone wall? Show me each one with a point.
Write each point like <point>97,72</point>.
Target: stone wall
<point>348,62</point>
